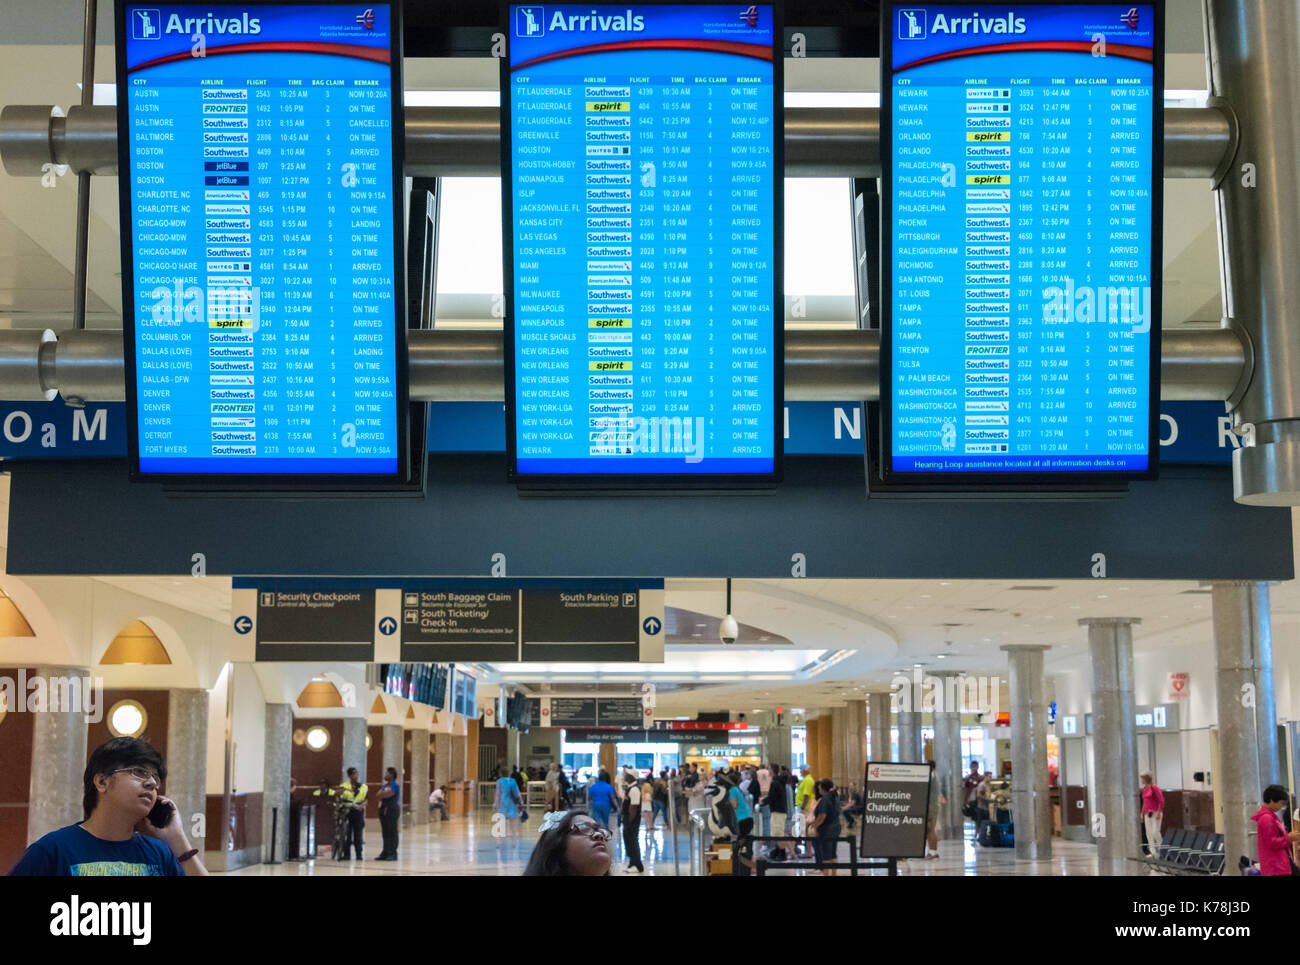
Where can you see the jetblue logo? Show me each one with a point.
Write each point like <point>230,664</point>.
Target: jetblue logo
<point>911,24</point>
<point>530,22</point>
<point>146,25</point>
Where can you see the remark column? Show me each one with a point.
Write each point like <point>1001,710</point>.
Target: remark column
<point>354,747</point>
<point>947,751</point>
<point>1243,655</point>
<point>276,771</point>
<point>419,802</point>
<point>1115,814</point>
<point>907,705</point>
<point>58,758</point>
<point>882,744</point>
<point>1030,805</point>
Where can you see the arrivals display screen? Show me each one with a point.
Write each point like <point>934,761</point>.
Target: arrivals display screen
<point>260,187</point>
<point>1021,228</point>
<point>642,177</point>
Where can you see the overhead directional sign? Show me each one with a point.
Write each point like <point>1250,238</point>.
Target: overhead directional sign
<point>592,620</point>
<point>287,621</point>
<point>406,620</point>
<point>460,620</point>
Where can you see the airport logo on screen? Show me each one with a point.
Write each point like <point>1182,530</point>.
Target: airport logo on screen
<point>914,24</point>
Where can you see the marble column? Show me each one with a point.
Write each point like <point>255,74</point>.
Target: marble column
<point>851,744</point>
<point>776,744</point>
<point>59,755</point>
<point>459,761</point>
<point>441,759</point>
<point>1247,711</point>
<point>276,772</point>
<point>911,750</point>
<point>354,747</point>
<point>947,752</point>
<point>1115,813</point>
<point>882,743</point>
<point>392,750</point>
<point>187,754</point>
<point>1031,806</point>
<point>839,747</point>
<point>419,776</point>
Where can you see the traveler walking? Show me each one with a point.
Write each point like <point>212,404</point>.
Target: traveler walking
<point>1274,840</point>
<point>1153,813</point>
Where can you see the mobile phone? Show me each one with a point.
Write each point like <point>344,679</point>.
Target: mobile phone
<point>161,814</point>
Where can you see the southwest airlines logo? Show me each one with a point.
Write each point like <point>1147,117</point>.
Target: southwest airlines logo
<point>530,22</point>
<point>911,24</point>
<point>146,25</point>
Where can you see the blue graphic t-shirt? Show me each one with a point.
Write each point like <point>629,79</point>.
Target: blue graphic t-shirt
<point>75,851</point>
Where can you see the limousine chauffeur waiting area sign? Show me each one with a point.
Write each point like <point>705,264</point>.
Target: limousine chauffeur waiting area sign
<point>896,800</point>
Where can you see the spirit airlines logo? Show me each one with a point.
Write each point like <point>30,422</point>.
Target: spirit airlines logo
<point>532,22</point>
<point>914,24</point>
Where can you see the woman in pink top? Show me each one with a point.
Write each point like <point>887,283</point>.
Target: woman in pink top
<point>1274,841</point>
<point>1153,812</point>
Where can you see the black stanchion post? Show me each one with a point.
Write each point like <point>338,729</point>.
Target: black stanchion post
<point>275,814</point>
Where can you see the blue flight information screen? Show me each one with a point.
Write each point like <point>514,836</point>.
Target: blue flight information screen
<point>1021,240</point>
<point>642,189</point>
<point>261,210</point>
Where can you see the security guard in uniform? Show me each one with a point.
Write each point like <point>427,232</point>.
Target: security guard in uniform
<point>352,804</point>
<point>326,796</point>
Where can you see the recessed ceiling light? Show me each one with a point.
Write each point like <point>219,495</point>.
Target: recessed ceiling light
<point>941,656</point>
<point>945,583</point>
<point>1103,596</point>
<point>925,596</point>
<point>1123,587</point>
<point>1074,606</point>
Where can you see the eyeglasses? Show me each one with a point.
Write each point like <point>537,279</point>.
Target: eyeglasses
<point>142,774</point>
<point>591,830</point>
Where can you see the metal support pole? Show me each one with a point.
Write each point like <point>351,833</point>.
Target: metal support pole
<point>468,365</point>
<point>820,142</point>
<point>1247,712</point>
<point>1253,49</point>
<point>83,180</point>
<point>1115,812</point>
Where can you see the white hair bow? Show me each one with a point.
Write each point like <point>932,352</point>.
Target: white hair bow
<point>551,820</point>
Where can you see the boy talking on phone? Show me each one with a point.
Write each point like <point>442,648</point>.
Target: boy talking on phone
<point>130,829</point>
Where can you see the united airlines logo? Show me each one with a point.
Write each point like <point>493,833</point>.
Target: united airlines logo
<point>530,22</point>
<point>1131,19</point>
<point>146,25</point>
<point>750,16</point>
<point>367,18</point>
<point>911,24</point>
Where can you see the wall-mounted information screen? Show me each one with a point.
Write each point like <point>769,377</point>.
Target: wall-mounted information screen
<point>1021,242</point>
<point>260,187</point>
<point>641,153</point>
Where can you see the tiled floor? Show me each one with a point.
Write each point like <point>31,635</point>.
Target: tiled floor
<point>466,846</point>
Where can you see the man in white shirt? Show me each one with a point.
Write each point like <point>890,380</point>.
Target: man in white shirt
<point>764,807</point>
